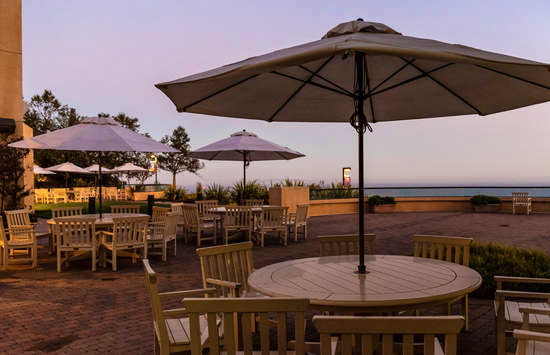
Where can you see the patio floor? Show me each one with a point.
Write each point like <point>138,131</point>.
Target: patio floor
<point>79,311</point>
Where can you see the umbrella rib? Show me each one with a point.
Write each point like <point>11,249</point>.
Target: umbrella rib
<point>391,76</point>
<point>215,155</point>
<point>514,77</point>
<point>311,83</point>
<point>368,88</point>
<point>325,79</point>
<point>219,91</point>
<point>420,76</point>
<point>446,88</point>
<point>297,91</point>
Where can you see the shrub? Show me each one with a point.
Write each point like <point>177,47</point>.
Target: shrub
<point>494,259</point>
<point>174,194</point>
<point>381,200</point>
<point>481,200</point>
<point>198,192</point>
<point>218,192</point>
<point>254,190</point>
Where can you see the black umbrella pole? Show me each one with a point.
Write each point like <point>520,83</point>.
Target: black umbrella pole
<point>360,125</point>
<point>100,191</point>
<point>361,269</point>
<point>244,180</point>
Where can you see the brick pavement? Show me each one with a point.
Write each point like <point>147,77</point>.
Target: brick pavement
<point>78,311</point>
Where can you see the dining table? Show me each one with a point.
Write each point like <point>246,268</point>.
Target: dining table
<point>219,212</point>
<point>392,282</point>
<point>105,221</point>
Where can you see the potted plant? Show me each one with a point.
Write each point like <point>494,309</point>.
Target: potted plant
<point>485,204</point>
<point>381,204</point>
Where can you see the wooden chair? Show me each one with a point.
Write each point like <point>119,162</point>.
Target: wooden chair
<point>21,228</point>
<point>332,245</point>
<point>297,220</point>
<point>272,219</point>
<point>254,203</point>
<point>452,249</point>
<point>521,199</point>
<point>125,209</point>
<point>515,309</point>
<point>66,211</point>
<point>21,237</point>
<point>244,309</point>
<point>121,194</point>
<point>194,224</point>
<point>177,209</point>
<point>161,233</point>
<point>171,326</point>
<point>238,219</point>
<point>16,218</point>
<point>532,343</point>
<point>75,236</point>
<point>371,328</point>
<point>129,233</point>
<point>40,196</point>
<point>159,214</point>
<point>204,207</point>
<point>227,268</point>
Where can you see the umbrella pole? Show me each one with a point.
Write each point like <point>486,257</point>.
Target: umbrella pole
<point>244,179</point>
<point>100,193</point>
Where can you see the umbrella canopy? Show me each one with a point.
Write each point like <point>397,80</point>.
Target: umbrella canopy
<point>41,171</point>
<point>68,168</point>
<point>95,169</point>
<point>362,72</point>
<point>128,168</point>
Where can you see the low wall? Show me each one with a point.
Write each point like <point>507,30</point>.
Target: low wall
<point>142,196</point>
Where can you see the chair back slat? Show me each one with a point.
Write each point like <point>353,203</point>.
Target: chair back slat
<point>254,203</point>
<point>18,218</point>
<point>159,214</point>
<point>244,309</point>
<point>232,262</point>
<point>273,216</point>
<point>130,230</point>
<point>238,217</point>
<point>191,216</point>
<point>451,249</point>
<point>520,197</point>
<point>66,211</point>
<point>332,245</point>
<point>177,208</point>
<point>205,206</point>
<point>75,231</point>
<point>425,328</point>
<point>301,214</point>
<point>125,209</point>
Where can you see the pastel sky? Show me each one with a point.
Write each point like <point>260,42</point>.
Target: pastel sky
<point>105,56</point>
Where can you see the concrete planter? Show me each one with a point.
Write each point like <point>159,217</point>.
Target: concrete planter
<point>493,208</point>
<point>383,208</point>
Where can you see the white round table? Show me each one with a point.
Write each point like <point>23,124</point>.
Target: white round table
<point>393,282</point>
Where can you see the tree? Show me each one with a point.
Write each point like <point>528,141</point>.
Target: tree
<point>178,162</point>
<point>11,174</point>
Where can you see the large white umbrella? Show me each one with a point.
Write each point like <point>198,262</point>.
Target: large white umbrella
<point>364,72</point>
<point>246,147</point>
<point>68,168</point>
<point>95,134</point>
<point>37,170</point>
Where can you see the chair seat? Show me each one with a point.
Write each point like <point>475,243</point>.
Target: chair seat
<point>537,348</point>
<point>179,330</point>
<point>19,243</point>
<point>513,315</point>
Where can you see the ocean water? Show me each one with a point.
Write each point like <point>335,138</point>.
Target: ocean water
<point>456,191</point>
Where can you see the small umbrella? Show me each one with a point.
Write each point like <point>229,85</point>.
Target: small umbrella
<point>68,168</point>
<point>41,171</point>
<point>364,72</point>
<point>246,147</point>
<point>95,169</point>
<point>128,168</point>
<point>95,134</point>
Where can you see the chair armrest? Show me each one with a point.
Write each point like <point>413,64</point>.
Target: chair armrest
<point>530,335</point>
<point>534,310</point>
<point>104,233</point>
<point>176,312</point>
<point>234,287</point>
<point>189,293</point>
<point>515,279</point>
<point>521,294</point>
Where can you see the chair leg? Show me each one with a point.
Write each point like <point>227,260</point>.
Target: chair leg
<point>34,253</point>
<point>262,235</point>
<point>93,258</point>
<point>175,246</point>
<point>295,233</point>
<point>5,257</point>
<point>467,313</point>
<point>305,231</point>
<point>113,261</point>
<point>164,250</point>
<point>58,259</point>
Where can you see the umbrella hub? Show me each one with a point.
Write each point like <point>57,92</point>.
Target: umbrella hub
<point>243,133</point>
<point>100,121</point>
<point>359,25</point>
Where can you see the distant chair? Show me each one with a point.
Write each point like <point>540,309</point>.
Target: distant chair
<point>297,220</point>
<point>204,208</point>
<point>125,209</point>
<point>162,232</point>
<point>20,238</point>
<point>128,236</point>
<point>60,195</point>
<point>380,332</point>
<point>521,199</point>
<point>237,219</point>
<point>272,219</point>
<point>75,235</point>
<point>333,245</point>
<point>254,203</point>
<point>194,224</point>
<point>66,211</point>
<point>40,196</point>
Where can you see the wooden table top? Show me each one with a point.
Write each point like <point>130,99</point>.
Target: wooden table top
<point>391,281</point>
<point>222,209</point>
<point>107,219</point>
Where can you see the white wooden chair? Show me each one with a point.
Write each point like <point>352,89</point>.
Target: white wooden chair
<point>452,249</point>
<point>204,207</point>
<point>125,209</point>
<point>369,329</point>
<point>128,236</point>
<point>254,203</point>
<point>515,309</point>
<point>521,199</point>
<point>162,232</point>
<point>21,237</point>
<point>332,245</point>
<point>159,213</point>
<point>194,224</point>
<point>171,326</point>
<point>21,228</point>
<point>75,237</point>
<point>238,219</point>
<point>298,220</point>
<point>532,343</point>
<point>227,268</point>
<point>273,219</point>
<point>66,211</point>
<point>177,209</point>
<point>244,309</point>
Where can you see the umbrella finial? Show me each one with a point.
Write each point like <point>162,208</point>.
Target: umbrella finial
<point>359,19</point>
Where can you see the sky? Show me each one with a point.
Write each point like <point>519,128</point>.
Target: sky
<point>106,56</point>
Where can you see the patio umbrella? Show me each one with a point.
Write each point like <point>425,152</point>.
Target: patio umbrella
<point>95,169</point>
<point>95,134</point>
<point>68,168</point>
<point>246,147</point>
<point>37,170</point>
<point>128,168</point>
<point>361,73</point>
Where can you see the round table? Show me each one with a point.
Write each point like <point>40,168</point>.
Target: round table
<point>106,221</point>
<point>393,282</point>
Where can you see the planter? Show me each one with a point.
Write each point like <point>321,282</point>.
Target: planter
<point>493,208</point>
<point>389,208</point>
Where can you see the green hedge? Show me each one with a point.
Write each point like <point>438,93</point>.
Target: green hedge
<point>495,259</point>
<point>481,200</point>
<point>381,200</point>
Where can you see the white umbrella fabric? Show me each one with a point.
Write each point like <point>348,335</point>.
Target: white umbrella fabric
<point>95,169</point>
<point>364,72</point>
<point>37,170</point>
<point>95,134</point>
<point>68,168</point>
<point>128,168</point>
<point>246,147</point>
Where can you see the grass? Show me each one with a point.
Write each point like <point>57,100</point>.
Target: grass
<point>44,210</point>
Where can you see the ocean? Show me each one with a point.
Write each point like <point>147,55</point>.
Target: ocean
<point>537,191</point>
